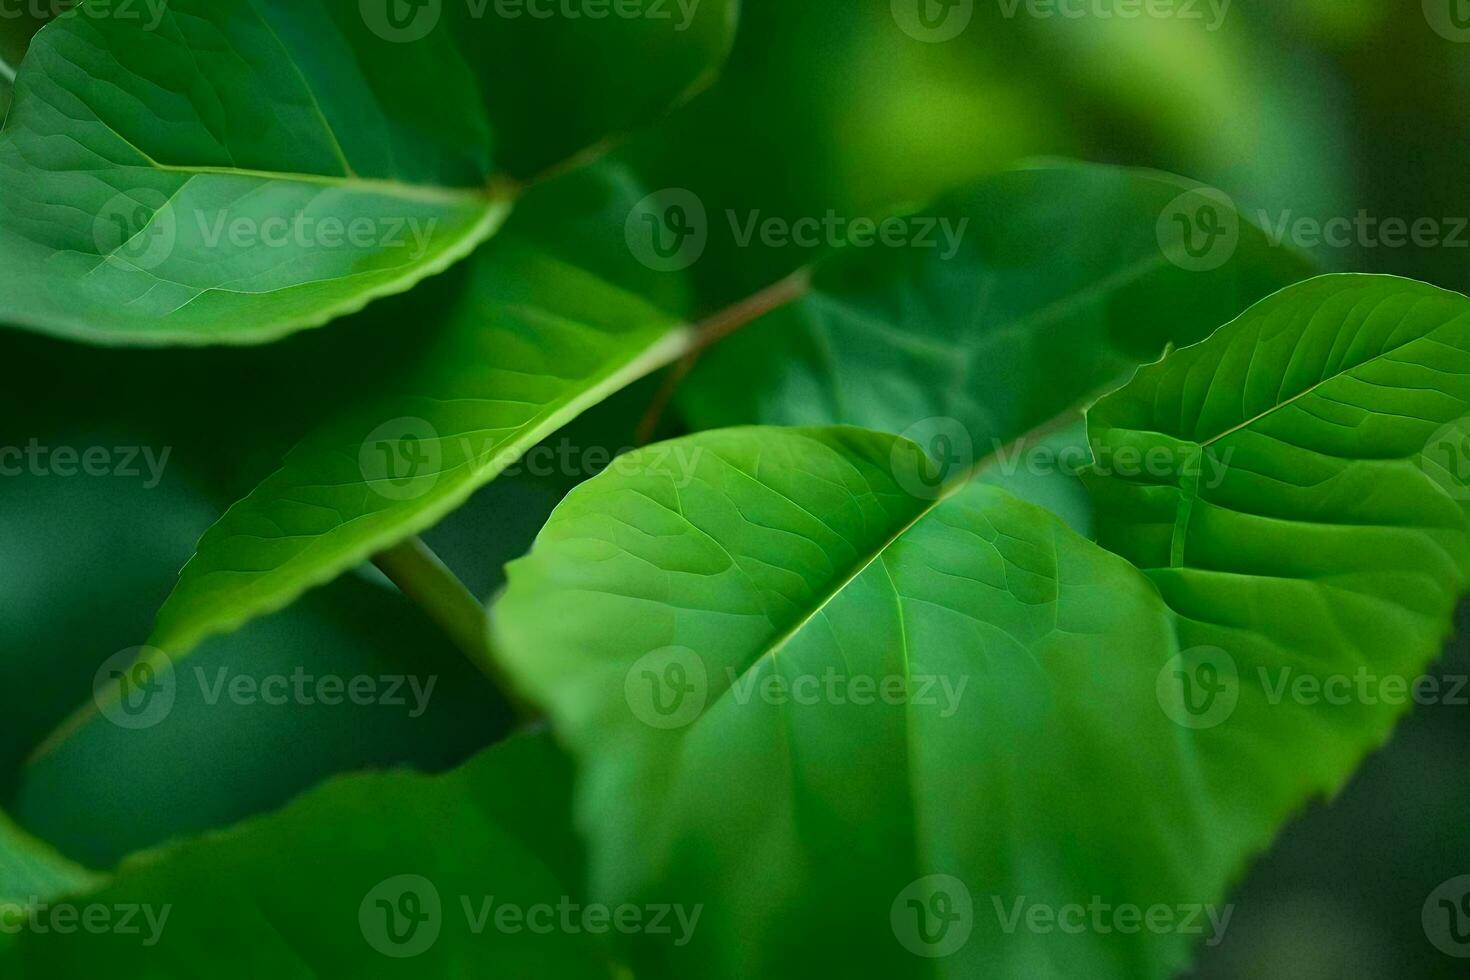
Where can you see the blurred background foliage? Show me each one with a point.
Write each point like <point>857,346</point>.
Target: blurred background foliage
<point>1295,108</point>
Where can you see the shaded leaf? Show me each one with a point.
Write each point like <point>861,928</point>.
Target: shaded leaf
<point>314,889</point>
<point>229,171</point>
<point>1066,730</point>
<point>1037,288</point>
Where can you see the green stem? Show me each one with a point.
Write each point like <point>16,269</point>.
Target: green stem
<point>424,578</point>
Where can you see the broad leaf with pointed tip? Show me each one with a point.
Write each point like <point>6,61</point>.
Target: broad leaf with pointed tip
<point>543,329</point>
<point>229,171</point>
<point>314,889</point>
<point>932,712</point>
<point>1062,279</point>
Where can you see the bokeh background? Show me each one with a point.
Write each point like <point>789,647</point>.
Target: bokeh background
<point>1314,109</point>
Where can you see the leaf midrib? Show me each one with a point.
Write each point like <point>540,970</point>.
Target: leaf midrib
<point>1344,372</point>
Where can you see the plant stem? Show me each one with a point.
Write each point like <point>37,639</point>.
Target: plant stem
<point>424,578</point>
<point>715,329</point>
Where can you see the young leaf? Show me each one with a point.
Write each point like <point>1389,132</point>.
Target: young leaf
<point>1030,290</point>
<point>381,876</point>
<point>938,717</point>
<point>542,330</point>
<point>229,171</point>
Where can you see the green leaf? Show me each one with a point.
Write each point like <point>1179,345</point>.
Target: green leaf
<point>1060,283</point>
<point>541,331</point>
<point>353,677</point>
<point>32,871</point>
<point>229,171</point>
<point>1062,730</point>
<point>31,874</point>
<point>312,888</point>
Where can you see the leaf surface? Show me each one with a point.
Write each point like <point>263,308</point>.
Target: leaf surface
<point>1063,730</point>
<point>382,875</point>
<point>1021,295</point>
<point>542,329</point>
<point>230,171</point>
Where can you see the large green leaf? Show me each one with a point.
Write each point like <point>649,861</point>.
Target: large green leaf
<point>955,714</point>
<point>543,329</point>
<point>313,890</point>
<point>228,171</point>
<point>1036,287</point>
